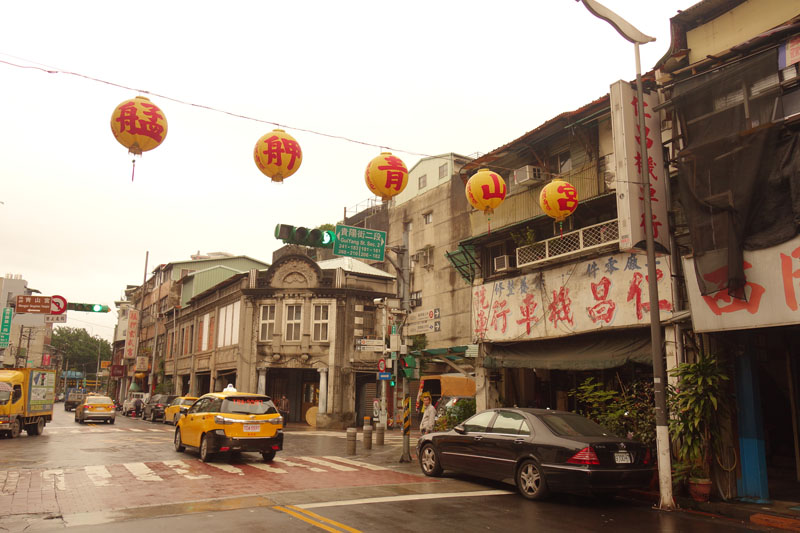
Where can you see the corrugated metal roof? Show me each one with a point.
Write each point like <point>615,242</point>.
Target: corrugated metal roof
<point>349,264</point>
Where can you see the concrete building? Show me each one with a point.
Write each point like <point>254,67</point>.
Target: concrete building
<point>292,328</point>
<point>29,335</point>
<point>731,89</point>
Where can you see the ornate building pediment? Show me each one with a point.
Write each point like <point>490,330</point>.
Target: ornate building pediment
<point>294,272</point>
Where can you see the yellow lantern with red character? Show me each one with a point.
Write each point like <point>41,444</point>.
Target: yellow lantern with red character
<point>139,125</point>
<point>277,155</point>
<point>485,191</point>
<point>386,176</point>
<point>558,199</point>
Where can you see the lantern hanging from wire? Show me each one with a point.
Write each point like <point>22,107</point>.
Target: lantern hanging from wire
<point>277,155</point>
<point>386,176</point>
<point>139,125</point>
<point>558,199</point>
<point>485,191</point>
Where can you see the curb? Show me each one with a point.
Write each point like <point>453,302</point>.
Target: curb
<point>730,510</point>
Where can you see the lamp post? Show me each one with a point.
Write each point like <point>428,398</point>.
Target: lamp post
<point>630,33</point>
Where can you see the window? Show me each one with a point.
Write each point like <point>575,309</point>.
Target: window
<point>479,422</point>
<point>294,313</point>
<point>423,181</point>
<point>321,323</point>
<point>267,324</point>
<point>228,325</point>
<point>443,171</point>
<point>510,423</point>
<point>561,163</point>
<point>427,218</point>
<point>204,334</point>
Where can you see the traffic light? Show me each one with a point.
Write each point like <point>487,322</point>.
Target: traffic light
<point>408,364</point>
<point>318,238</point>
<point>88,308</point>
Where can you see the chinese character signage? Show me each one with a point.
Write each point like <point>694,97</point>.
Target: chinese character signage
<point>631,191</point>
<point>142,363</point>
<point>132,335</point>
<point>361,243</point>
<point>772,291</point>
<point>607,292</point>
<point>33,304</point>
<point>5,326</point>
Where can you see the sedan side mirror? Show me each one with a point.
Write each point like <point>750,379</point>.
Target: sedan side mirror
<point>460,429</point>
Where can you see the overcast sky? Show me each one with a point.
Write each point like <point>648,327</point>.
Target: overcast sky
<point>422,78</point>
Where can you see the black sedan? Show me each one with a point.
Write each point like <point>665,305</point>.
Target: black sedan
<point>540,450</point>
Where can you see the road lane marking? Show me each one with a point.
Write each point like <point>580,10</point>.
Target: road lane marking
<point>99,475</point>
<point>315,519</point>
<point>142,472</point>
<point>322,462</point>
<point>406,497</point>
<point>183,469</point>
<point>57,477</point>
<point>267,468</point>
<point>355,463</point>
<point>299,465</point>
<point>227,468</point>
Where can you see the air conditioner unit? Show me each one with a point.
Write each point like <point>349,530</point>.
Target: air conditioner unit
<point>415,302</point>
<point>503,263</point>
<point>529,173</point>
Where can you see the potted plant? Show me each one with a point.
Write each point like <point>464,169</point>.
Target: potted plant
<point>697,404</point>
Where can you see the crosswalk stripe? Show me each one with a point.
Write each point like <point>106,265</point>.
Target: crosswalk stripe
<point>156,430</point>
<point>300,465</point>
<point>227,468</point>
<point>355,463</point>
<point>57,476</point>
<point>267,468</point>
<point>322,462</point>
<point>183,469</point>
<point>136,430</point>
<point>99,475</point>
<point>142,472</point>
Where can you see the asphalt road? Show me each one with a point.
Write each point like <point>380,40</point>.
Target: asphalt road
<point>127,477</point>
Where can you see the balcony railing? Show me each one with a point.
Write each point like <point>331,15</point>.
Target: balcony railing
<point>572,243</point>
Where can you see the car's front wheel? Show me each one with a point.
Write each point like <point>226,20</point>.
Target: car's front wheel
<point>429,461</point>
<point>179,447</point>
<point>268,456</point>
<point>530,481</point>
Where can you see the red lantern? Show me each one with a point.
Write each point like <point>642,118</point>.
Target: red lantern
<point>386,176</point>
<point>277,155</point>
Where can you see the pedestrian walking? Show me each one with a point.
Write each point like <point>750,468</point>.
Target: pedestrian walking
<point>428,415</point>
<point>283,408</point>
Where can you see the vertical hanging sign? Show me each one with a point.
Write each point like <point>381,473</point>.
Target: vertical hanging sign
<point>630,177</point>
<point>132,336</point>
<point>5,326</point>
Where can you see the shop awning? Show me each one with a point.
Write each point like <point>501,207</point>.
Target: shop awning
<point>594,351</point>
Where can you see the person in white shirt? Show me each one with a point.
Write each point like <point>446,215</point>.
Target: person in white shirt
<point>428,415</point>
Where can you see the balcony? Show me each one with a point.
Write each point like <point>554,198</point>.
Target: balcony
<point>574,243</point>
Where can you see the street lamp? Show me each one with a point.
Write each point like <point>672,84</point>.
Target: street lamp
<point>629,32</point>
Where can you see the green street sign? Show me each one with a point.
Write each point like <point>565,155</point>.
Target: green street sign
<point>5,326</point>
<point>361,243</point>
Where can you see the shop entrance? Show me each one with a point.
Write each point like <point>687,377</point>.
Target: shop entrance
<point>301,387</point>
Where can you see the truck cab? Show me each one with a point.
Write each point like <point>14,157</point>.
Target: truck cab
<point>26,400</point>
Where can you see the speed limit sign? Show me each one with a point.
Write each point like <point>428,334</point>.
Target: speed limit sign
<point>381,365</point>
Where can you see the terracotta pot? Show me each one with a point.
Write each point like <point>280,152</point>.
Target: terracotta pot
<point>699,489</point>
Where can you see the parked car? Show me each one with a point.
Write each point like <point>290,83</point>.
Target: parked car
<point>95,407</point>
<point>231,421</point>
<point>178,407</point>
<point>539,451</point>
<point>128,404</point>
<point>155,406</point>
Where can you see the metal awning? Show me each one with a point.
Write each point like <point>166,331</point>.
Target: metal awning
<point>465,261</point>
<point>595,351</point>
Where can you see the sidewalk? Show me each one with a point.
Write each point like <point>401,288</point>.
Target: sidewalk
<point>776,514</point>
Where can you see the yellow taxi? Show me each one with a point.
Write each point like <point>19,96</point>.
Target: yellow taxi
<point>178,407</point>
<point>231,421</point>
<point>96,407</point>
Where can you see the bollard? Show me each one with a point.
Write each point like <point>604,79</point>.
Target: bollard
<point>367,437</point>
<point>379,435</point>
<point>351,441</point>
